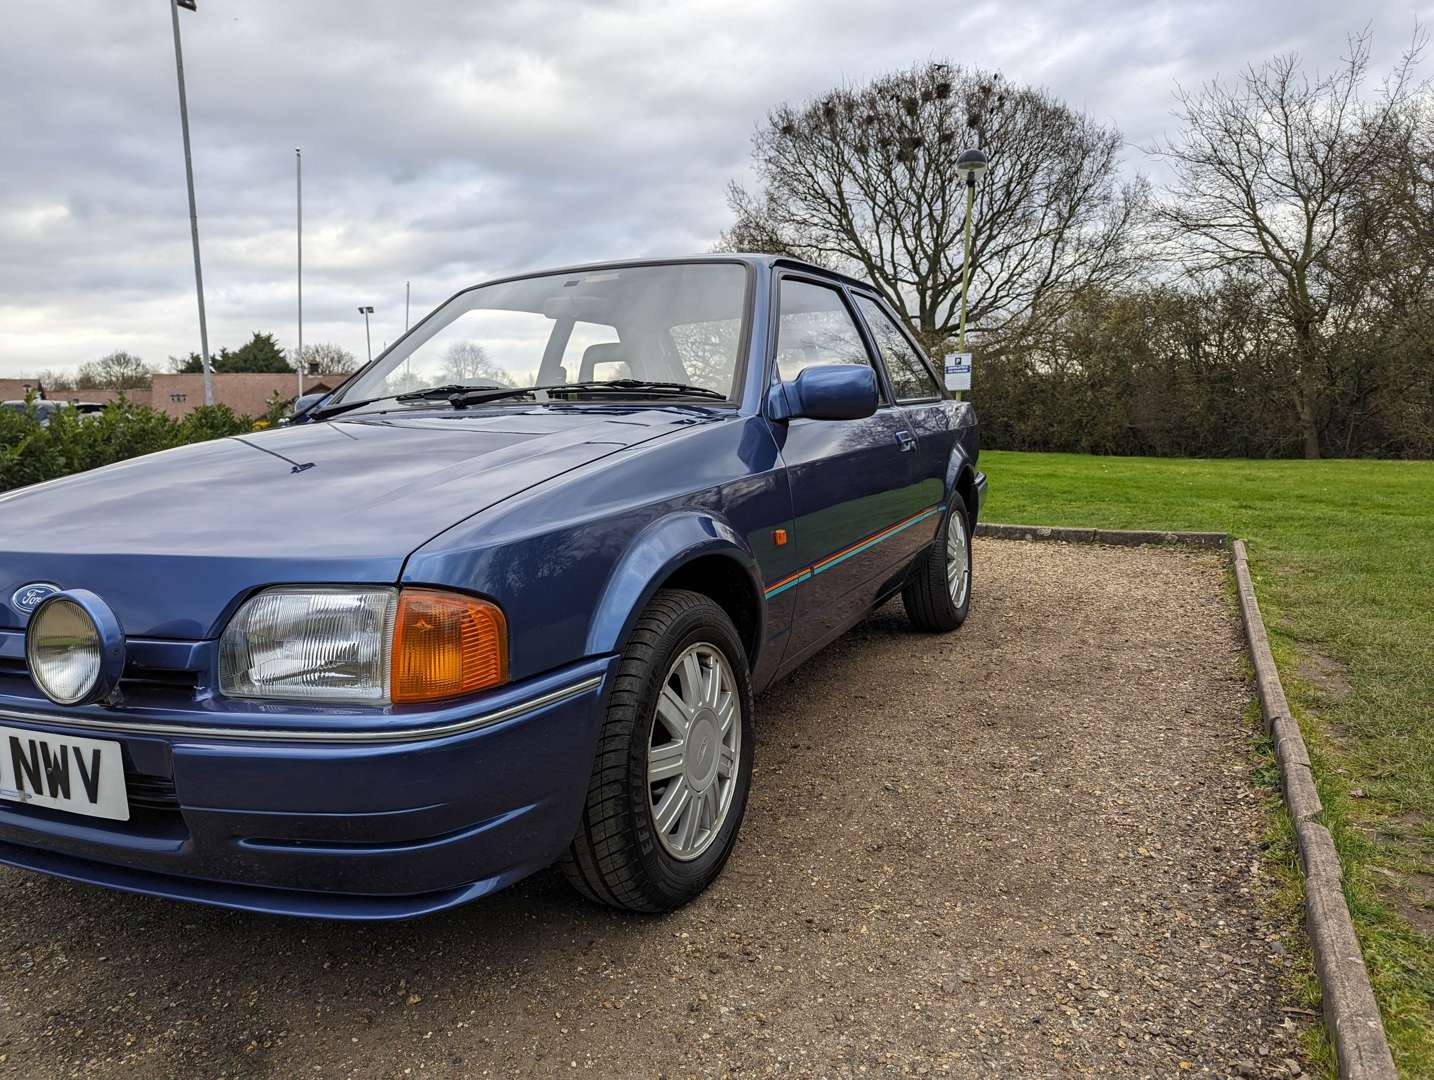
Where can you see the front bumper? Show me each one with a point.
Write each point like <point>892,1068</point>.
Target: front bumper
<point>338,823</point>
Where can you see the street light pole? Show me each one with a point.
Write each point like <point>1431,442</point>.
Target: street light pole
<point>966,257</point>
<point>407,293</point>
<point>299,240</point>
<point>368,341</point>
<point>970,164</point>
<point>174,6</point>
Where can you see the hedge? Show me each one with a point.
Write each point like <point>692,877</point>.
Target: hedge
<point>73,441</point>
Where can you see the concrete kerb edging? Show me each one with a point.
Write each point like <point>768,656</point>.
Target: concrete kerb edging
<point>1120,537</point>
<point>1350,1011</point>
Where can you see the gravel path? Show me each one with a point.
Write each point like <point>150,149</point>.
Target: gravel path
<point>1026,849</point>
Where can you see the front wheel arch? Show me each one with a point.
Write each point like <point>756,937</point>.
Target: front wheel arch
<point>697,552</point>
<point>724,581</point>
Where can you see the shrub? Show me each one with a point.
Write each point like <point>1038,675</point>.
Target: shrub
<point>26,455</point>
<point>279,407</point>
<point>212,422</point>
<point>73,442</point>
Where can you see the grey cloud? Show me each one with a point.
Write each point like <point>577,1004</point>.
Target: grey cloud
<point>445,142</point>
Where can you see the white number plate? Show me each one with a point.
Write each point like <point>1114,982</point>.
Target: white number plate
<point>63,772</point>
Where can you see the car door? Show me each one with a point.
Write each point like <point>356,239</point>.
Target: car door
<point>918,395</point>
<point>853,484</point>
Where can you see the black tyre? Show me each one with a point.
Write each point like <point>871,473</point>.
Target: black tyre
<point>938,597</point>
<point>674,761</point>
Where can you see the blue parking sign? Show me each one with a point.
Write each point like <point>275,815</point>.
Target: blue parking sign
<point>958,371</point>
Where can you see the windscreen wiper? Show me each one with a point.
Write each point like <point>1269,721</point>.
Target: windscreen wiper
<point>646,384</point>
<point>343,407</point>
<point>620,386</point>
<point>461,395</point>
<point>449,390</point>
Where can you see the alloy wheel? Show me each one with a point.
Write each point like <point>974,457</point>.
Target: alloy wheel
<point>958,560</point>
<point>694,752</point>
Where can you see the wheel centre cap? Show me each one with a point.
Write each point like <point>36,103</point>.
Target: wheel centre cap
<point>702,745</point>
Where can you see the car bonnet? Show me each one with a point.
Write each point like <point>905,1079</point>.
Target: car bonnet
<point>174,540</point>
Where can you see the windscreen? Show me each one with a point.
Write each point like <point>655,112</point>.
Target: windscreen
<point>673,323</point>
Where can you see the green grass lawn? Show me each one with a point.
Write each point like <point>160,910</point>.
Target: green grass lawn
<point>1342,554</point>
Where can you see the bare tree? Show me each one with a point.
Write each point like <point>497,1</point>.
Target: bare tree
<point>117,371</point>
<point>1380,334</point>
<point>465,362</point>
<point>864,179</point>
<point>51,379</point>
<point>1269,171</point>
<point>326,358</point>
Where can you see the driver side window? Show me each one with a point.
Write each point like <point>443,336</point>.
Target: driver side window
<point>814,327</point>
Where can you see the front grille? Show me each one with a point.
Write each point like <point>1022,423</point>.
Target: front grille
<point>136,677</point>
<point>150,792</point>
<point>152,799</point>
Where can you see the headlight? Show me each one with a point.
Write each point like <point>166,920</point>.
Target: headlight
<point>368,646</point>
<point>74,648</point>
<point>310,644</point>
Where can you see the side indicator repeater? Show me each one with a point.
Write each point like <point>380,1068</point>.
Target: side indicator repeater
<point>779,537</point>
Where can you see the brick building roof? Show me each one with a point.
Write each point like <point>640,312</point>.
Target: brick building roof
<point>247,394</point>
<point>14,389</point>
<point>179,395</point>
<point>98,397</point>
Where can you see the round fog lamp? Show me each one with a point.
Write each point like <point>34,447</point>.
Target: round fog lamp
<point>74,648</point>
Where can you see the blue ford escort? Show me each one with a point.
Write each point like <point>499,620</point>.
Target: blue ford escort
<point>500,601</point>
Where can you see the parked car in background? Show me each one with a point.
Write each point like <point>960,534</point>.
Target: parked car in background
<point>42,410</point>
<point>502,600</point>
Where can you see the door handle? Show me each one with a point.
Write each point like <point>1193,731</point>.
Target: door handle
<point>906,441</point>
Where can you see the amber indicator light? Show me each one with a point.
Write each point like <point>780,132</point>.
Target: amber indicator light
<point>446,645</point>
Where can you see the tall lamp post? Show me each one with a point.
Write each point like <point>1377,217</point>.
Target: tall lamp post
<point>368,341</point>
<point>299,244</point>
<point>971,164</point>
<point>174,6</point>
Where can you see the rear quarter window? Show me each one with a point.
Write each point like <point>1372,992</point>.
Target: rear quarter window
<point>911,379</point>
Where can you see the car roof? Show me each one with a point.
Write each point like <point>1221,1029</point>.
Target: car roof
<point>812,268</point>
<point>748,258</point>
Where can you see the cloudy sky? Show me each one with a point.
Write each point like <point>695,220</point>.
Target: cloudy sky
<point>445,142</point>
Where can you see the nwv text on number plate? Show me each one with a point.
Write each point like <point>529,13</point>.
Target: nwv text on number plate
<point>63,772</point>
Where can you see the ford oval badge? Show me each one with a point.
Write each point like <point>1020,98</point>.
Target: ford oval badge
<point>28,597</point>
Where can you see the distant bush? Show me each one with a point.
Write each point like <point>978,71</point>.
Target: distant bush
<point>73,442</point>
<point>1173,371</point>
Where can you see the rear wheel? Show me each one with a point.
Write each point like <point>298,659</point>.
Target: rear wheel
<point>938,597</point>
<point>674,761</point>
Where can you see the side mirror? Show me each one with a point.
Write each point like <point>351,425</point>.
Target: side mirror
<point>303,404</point>
<point>826,392</point>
